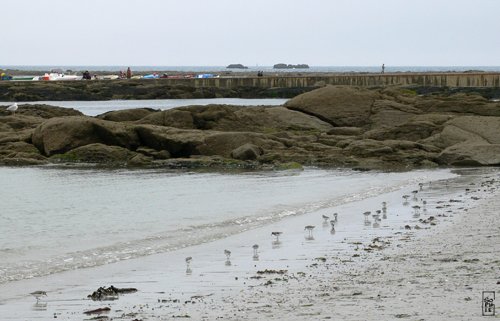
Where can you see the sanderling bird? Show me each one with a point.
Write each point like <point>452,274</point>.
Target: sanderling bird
<point>309,229</point>
<point>326,218</point>
<point>421,186</point>
<point>255,248</point>
<point>366,214</point>
<point>188,261</point>
<point>277,235</point>
<point>12,108</point>
<point>335,215</point>
<point>38,295</point>
<point>332,223</point>
<point>227,253</point>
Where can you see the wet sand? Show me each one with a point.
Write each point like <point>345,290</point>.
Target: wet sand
<point>381,273</point>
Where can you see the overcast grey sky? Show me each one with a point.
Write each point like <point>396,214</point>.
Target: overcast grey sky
<point>263,32</point>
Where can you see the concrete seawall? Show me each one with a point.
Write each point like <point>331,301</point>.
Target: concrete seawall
<point>365,80</point>
<point>240,86</point>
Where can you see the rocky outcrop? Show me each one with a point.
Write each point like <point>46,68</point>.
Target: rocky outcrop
<point>61,134</point>
<point>237,118</point>
<point>469,140</point>
<point>436,123</point>
<point>387,128</point>
<point>338,106</point>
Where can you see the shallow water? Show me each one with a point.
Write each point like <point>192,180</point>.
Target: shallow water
<point>53,220</point>
<point>97,107</point>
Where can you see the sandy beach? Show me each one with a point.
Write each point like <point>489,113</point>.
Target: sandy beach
<point>435,271</point>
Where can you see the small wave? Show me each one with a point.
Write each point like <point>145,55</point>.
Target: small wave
<point>181,238</point>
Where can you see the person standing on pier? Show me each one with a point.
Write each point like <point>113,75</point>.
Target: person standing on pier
<point>129,73</point>
<point>383,68</point>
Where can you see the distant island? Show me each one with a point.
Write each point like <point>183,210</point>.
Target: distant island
<point>289,66</point>
<point>236,66</point>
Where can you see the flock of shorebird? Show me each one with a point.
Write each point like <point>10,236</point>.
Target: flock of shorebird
<point>309,229</point>
<point>377,218</point>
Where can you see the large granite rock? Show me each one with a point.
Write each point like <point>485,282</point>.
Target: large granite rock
<point>236,118</point>
<point>339,106</point>
<point>471,154</point>
<point>469,140</point>
<point>59,135</point>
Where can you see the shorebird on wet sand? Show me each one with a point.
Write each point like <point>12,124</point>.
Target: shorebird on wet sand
<point>366,214</point>
<point>255,248</point>
<point>415,192</point>
<point>424,203</point>
<point>421,186</point>
<point>277,235</point>
<point>228,254</point>
<point>38,295</point>
<point>325,217</point>
<point>335,215</point>
<point>12,108</point>
<point>188,267</point>
<point>332,223</point>
<point>309,229</point>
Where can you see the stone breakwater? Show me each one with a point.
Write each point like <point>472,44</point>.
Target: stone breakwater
<point>334,126</point>
<point>269,86</point>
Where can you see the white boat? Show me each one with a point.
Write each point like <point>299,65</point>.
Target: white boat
<point>59,77</point>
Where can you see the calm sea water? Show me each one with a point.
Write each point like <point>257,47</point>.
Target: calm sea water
<point>217,69</point>
<point>54,219</point>
<point>96,107</point>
